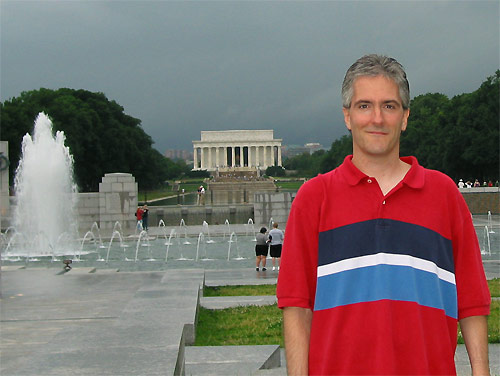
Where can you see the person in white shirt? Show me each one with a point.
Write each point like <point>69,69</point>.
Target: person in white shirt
<point>276,238</point>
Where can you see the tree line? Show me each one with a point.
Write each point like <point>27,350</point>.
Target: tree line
<point>458,136</point>
<point>100,136</point>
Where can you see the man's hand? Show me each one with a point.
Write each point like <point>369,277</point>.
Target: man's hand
<point>297,330</point>
<point>475,333</point>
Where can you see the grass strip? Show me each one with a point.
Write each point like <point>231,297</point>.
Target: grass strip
<point>239,290</point>
<point>248,325</point>
<point>494,285</point>
<point>262,325</point>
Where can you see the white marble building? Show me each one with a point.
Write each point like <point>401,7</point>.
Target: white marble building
<point>219,150</point>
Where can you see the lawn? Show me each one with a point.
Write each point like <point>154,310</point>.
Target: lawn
<point>248,325</point>
<point>189,185</point>
<point>262,325</point>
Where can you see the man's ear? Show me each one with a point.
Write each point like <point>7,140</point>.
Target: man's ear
<point>406,114</point>
<point>347,118</point>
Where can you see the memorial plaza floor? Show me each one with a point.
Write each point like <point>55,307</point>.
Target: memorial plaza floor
<point>106,322</point>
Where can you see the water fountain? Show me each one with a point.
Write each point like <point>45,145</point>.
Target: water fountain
<point>183,227</point>
<point>201,240</point>
<point>89,236</point>
<point>235,237</point>
<point>122,245</point>
<point>271,222</point>
<point>486,242</point>
<point>226,223</point>
<point>250,223</point>
<point>144,241</point>
<point>168,243</point>
<point>490,223</point>
<point>95,227</point>
<point>45,190</point>
<point>207,231</point>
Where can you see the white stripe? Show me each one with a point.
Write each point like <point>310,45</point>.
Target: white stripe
<point>386,259</point>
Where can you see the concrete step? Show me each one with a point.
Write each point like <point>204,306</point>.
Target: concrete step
<point>231,360</point>
<point>222,302</point>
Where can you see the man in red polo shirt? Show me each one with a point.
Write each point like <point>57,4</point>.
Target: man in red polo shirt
<point>381,259</point>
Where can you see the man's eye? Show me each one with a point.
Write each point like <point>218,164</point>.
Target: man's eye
<point>363,106</point>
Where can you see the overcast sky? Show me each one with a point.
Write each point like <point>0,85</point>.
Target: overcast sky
<point>183,67</point>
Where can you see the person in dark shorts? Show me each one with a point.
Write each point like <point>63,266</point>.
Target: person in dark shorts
<point>261,249</point>
<point>276,238</point>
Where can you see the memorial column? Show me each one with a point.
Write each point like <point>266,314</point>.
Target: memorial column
<point>209,158</point>
<point>195,158</point>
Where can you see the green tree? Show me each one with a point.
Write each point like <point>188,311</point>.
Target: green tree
<point>340,148</point>
<point>101,137</point>
<point>305,164</point>
<point>459,137</point>
<point>275,171</point>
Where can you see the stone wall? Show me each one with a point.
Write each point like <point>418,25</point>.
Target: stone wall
<point>272,205</point>
<point>195,215</point>
<point>482,200</point>
<point>88,211</point>
<point>117,201</point>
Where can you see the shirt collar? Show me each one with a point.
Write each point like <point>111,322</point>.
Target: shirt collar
<point>415,177</point>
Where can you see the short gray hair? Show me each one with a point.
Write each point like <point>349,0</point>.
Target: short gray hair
<point>375,65</point>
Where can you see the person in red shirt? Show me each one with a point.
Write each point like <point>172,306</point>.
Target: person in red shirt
<point>138,215</point>
<point>381,260</point>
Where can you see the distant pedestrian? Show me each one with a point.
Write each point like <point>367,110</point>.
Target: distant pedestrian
<point>276,237</point>
<point>202,196</point>
<point>145,215</point>
<point>461,184</point>
<point>138,216</point>
<point>261,249</point>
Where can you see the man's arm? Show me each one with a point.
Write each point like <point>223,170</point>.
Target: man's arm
<point>475,333</point>
<point>297,330</point>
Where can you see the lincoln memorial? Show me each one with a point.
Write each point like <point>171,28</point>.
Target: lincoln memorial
<point>252,149</point>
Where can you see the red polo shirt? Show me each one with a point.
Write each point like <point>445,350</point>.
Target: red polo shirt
<point>387,277</point>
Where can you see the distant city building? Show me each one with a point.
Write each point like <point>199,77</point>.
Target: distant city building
<point>313,146</point>
<point>176,154</point>
<point>290,151</point>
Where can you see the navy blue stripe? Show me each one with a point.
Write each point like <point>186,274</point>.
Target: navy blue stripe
<point>384,235</point>
<point>373,283</point>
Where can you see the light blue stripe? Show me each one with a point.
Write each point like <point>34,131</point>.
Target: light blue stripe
<point>391,282</point>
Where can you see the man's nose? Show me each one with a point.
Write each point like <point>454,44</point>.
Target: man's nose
<point>377,116</point>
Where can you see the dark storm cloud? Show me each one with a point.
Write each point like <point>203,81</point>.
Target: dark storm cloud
<point>183,67</point>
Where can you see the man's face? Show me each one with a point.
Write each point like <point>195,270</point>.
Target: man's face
<point>376,117</point>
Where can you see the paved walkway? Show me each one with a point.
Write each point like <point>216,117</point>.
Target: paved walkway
<point>104,322</point>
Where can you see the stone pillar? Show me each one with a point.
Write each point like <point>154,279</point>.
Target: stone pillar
<point>195,158</point>
<point>210,165</point>
<point>279,155</point>
<point>117,201</point>
<point>233,156</point>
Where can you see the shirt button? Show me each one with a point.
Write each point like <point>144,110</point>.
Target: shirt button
<point>369,181</point>
<point>383,203</point>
